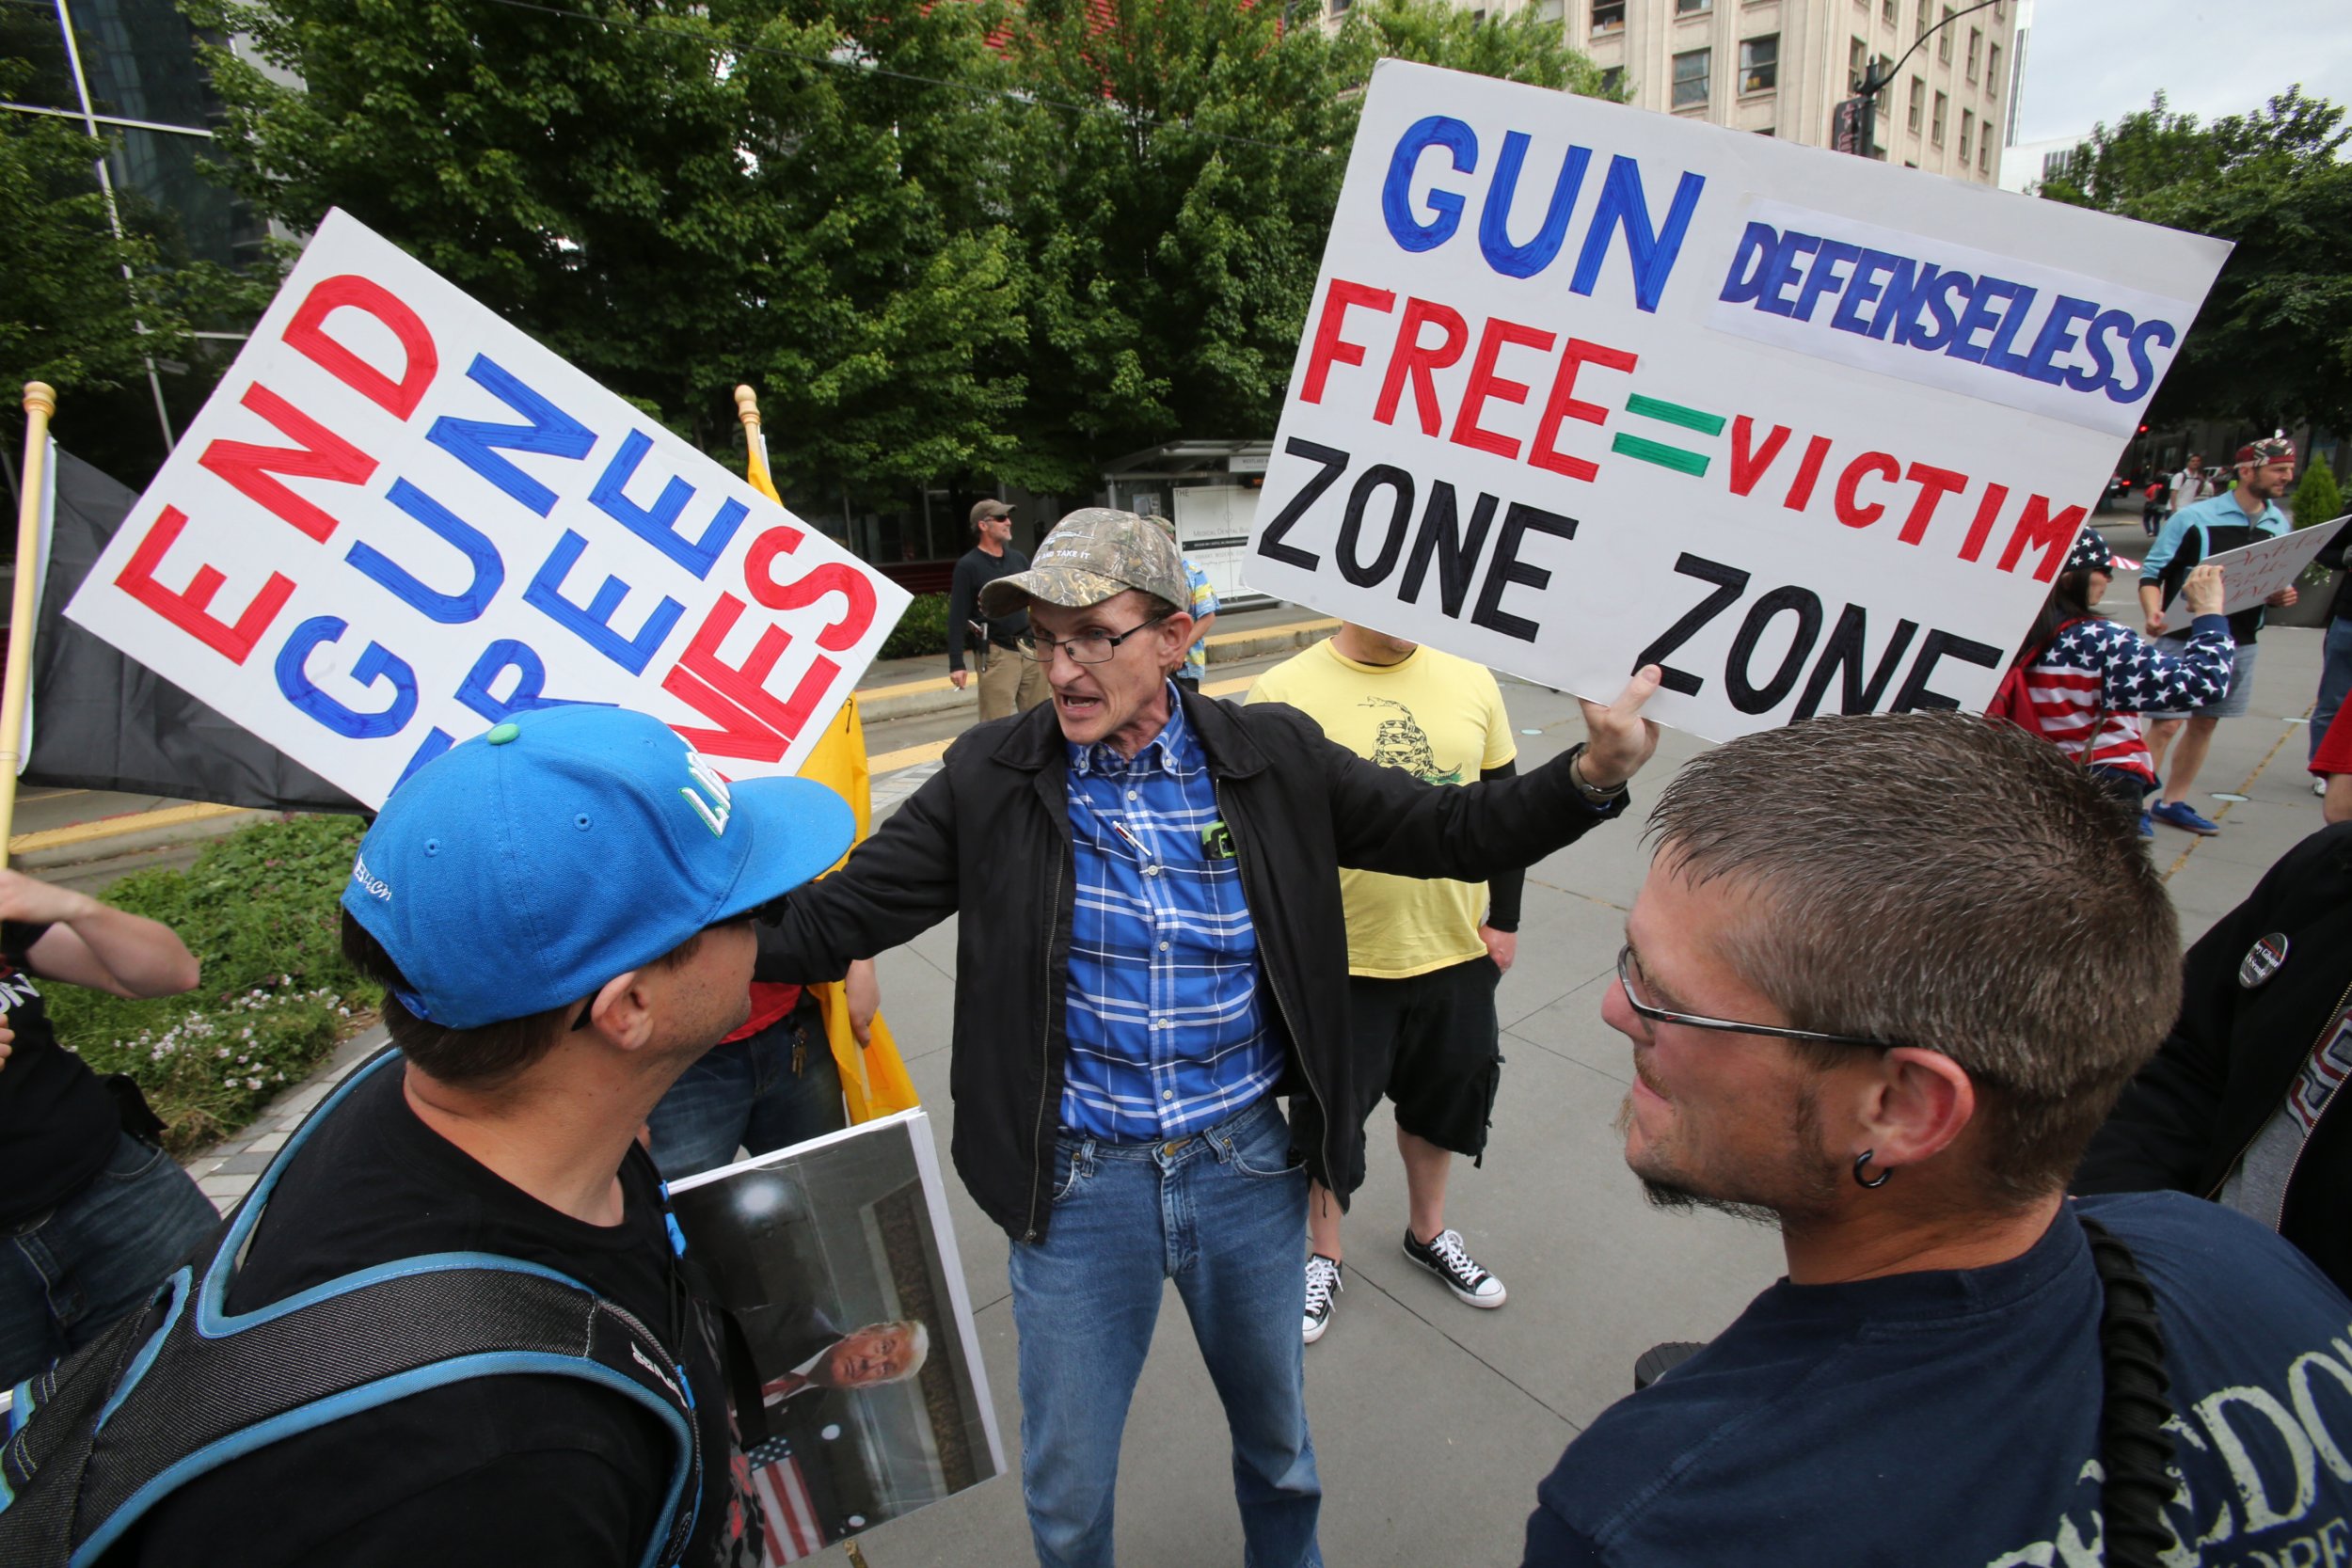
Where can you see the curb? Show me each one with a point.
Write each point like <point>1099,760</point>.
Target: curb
<point>106,839</point>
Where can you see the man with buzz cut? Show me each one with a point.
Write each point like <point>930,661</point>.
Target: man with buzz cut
<point>1423,956</point>
<point>559,912</point>
<point>1009,683</point>
<point>1150,957</point>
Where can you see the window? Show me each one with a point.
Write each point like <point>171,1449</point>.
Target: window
<point>1992,72</point>
<point>1976,45</point>
<point>1923,17</point>
<point>1935,126</point>
<point>1967,133</point>
<point>1918,100</point>
<point>1984,152</point>
<point>1887,14</point>
<point>1690,81</point>
<point>1338,8</point>
<point>1760,63</point>
<point>1857,51</point>
<point>1613,80</point>
<point>1944,40</point>
<point>1608,17</point>
<point>1694,8</point>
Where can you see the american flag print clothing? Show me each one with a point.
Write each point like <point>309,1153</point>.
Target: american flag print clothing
<point>786,1509</point>
<point>1165,1032</point>
<point>2100,673</point>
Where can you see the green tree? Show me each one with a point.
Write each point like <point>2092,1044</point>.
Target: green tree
<point>2317,497</point>
<point>2273,345</point>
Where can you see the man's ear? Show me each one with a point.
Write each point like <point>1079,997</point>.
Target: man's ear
<point>1919,1102</point>
<point>621,1010</point>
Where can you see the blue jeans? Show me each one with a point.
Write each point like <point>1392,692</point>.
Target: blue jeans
<point>2335,679</point>
<point>1220,1213</point>
<point>66,1274</point>
<point>749,1094</point>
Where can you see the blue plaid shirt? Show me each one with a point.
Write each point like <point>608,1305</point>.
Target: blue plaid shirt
<point>1165,1032</point>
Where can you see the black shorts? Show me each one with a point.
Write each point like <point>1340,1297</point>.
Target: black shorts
<point>1431,1044</point>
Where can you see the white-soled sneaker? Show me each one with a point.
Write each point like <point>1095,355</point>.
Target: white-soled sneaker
<point>1322,1283</point>
<point>1444,1258</point>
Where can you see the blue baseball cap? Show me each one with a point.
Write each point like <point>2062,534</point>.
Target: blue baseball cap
<point>519,871</point>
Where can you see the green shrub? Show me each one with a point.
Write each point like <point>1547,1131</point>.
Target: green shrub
<point>2317,498</point>
<point>923,630</point>
<point>259,910</point>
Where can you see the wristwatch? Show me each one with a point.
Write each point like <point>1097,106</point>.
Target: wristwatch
<point>1592,794</point>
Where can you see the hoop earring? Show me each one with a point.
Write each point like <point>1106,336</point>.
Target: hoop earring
<point>1861,1160</point>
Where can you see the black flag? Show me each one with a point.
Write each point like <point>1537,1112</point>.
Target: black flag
<point>103,720</point>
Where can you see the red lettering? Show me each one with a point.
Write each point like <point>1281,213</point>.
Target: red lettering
<point>1934,484</point>
<point>190,609</point>
<point>740,734</point>
<point>307,335</point>
<point>1544,451</point>
<point>1981,529</point>
<point>1801,489</point>
<point>831,577</point>
<point>1329,346</point>
<point>1412,357</point>
<point>1850,512</point>
<point>254,469</point>
<point>2054,535</point>
<point>1485,384</point>
<point>747,686</point>
<point>1750,462</point>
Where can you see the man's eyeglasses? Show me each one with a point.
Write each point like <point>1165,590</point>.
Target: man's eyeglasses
<point>1088,647</point>
<point>1724,1025</point>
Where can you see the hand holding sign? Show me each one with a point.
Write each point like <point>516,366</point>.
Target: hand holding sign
<point>1618,738</point>
<point>2201,591</point>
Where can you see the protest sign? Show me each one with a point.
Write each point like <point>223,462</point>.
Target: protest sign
<point>865,1398</point>
<point>2251,573</point>
<point>1583,388</point>
<point>400,520</point>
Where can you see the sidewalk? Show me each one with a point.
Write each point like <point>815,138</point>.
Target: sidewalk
<point>1433,1422</point>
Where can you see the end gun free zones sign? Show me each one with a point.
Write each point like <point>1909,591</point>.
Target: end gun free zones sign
<point>400,520</point>
<point>1584,388</point>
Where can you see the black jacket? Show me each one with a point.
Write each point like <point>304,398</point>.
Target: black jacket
<point>990,834</point>
<point>2332,555</point>
<point>2184,1121</point>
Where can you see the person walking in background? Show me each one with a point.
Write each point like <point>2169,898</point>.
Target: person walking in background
<point>1195,667</point>
<point>1423,957</point>
<point>1009,683</point>
<point>92,1216</point>
<point>2190,485</point>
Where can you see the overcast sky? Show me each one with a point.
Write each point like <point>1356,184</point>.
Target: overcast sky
<point>2090,61</point>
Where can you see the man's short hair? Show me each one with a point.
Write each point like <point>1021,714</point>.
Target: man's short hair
<point>1936,880</point>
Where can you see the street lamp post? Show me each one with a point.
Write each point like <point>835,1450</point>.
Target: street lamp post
<point>1853,123</point>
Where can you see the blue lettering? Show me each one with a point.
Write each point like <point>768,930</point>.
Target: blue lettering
<point>1989,291</point>
<point>1824,276</point>
<point>1996,353</point>
<point>476,443</point>
<point>1494,219</point>
<point>531,679</point>
<point>2102,368</point>
<point>1860,292</point>
<point>1942,309</point>
<point>448,608</point>
<point>1785,272</point>
<point>1396,196</point>
<point>1651,255</point>
<point>2142,367</point>
<point>1759,247</point>
<point>2057,340</point>
<point>1903,292</point>
<point>374,664</point>
<point>593,624</point>
<point>658,524</point>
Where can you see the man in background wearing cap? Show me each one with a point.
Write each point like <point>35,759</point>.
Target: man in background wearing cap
<point>1009,683</point>
<point>560,913</point>
<point>1156,950</point>
<point>2195,533</point>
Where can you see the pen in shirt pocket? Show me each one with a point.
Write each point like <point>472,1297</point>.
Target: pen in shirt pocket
<point>1133,843</point>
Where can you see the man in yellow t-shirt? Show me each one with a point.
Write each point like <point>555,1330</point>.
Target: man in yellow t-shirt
<point>1423,957</point>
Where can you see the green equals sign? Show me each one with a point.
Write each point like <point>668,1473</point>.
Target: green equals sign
<point>1681,459</point>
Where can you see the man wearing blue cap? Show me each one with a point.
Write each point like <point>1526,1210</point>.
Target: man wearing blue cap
<point>1156,953</point>
<point>559,912</point>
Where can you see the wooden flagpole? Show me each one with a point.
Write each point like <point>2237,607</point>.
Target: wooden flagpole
<point>40,401</point>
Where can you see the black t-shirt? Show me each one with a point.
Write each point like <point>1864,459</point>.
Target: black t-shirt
<point>974,572</point>
<point>493,1471</point>
<point>57,1123</point>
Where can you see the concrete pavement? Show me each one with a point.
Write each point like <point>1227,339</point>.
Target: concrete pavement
<point>1433,1422</point>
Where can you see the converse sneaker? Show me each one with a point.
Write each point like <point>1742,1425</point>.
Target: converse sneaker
<point>1444,1256</point>
<point>1323,1279</point>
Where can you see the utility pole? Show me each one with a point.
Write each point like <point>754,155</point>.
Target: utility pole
<point>1854,122</point>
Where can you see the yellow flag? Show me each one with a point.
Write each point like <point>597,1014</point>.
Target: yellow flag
<point>874,1080</point>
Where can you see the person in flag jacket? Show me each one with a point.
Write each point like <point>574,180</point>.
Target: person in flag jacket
<point>2084,680</point>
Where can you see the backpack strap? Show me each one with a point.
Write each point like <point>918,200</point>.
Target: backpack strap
<point>187,1387</point>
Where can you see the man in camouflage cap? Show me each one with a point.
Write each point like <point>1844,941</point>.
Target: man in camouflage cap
<point>1152,952</point>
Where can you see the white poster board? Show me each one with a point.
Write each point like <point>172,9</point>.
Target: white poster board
<point>400,519</point>
<point>1583,388</point>
<point>2251,573</point>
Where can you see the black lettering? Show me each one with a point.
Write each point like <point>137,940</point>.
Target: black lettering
<point>1506,569</point>
<point>1844,652</point>
<point>1352,525</point>
<point>1915,696</point>
<point>1455,552</point>
<point>1270,543</point>
<point>1730,583</point>
<point>1760,699</point>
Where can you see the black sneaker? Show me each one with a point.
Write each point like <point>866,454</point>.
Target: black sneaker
<point>1323,1281</point>
<point>1444,1256</point>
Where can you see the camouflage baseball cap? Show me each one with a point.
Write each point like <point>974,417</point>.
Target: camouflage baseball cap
<point>1093,554</point>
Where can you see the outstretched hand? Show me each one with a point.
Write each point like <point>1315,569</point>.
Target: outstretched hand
<point>1617,740</point>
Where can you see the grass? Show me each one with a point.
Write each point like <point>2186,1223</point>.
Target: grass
<point>259,910</point>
